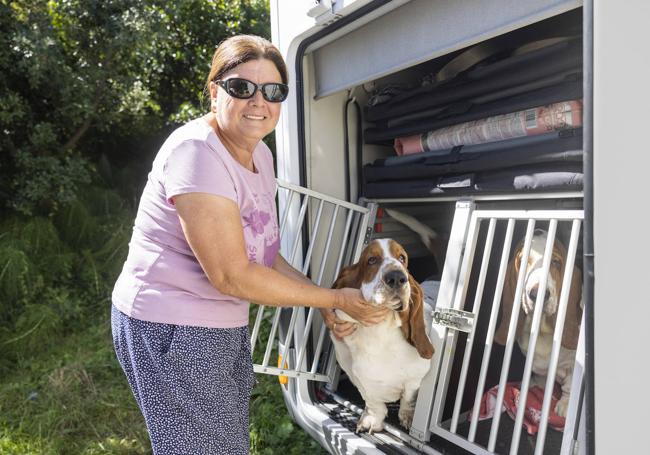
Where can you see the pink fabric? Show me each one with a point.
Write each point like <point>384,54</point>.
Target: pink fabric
<point>529,122</point>
<point>533,411</point>
<point>162,281</point>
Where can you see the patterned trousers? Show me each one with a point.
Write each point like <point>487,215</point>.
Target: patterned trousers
<point>192,384</point>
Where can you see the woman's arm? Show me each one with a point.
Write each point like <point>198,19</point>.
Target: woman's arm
<point>338,326</point>
<point>281,265</point>
<point>212,226</point>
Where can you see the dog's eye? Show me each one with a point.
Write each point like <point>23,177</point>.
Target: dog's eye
<point>372,260</point>
<point>556,263</point>
<point>402,258</point>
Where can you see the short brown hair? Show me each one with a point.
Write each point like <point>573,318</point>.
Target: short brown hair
<point>240,49</point>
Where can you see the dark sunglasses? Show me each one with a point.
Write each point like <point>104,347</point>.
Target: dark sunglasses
<point>244,89</point>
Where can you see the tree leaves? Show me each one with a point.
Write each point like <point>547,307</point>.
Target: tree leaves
<point>82,78</point>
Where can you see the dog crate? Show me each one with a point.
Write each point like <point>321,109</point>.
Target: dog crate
<point>321,234</point>
<point>465,320</point>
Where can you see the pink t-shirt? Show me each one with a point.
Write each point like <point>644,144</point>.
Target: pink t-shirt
<point>162,281</point>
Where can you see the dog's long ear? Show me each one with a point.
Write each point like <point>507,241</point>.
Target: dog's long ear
<point>349,277</point>
<point>413,322</point>
<point>573,312</point>
<point>507,299</point>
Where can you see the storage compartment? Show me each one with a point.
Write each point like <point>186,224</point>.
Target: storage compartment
<point>497,124</point>
<point>500,116</point>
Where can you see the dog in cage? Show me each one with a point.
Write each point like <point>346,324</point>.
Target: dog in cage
<point>531,289</point>
<point>387,361</point>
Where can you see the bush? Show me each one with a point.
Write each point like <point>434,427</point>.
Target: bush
<point>90,91</point>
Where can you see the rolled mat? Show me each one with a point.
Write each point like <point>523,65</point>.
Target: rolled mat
<point>529,122</point>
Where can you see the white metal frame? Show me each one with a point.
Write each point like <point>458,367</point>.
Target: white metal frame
<point>338,240</point>
<point>453,291</point>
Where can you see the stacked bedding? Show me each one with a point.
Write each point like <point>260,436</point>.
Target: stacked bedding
<point>509,124</point>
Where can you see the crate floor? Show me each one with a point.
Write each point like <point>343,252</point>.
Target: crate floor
<point>506,428</point>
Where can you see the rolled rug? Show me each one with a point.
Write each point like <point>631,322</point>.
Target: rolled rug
<point>528,122</point>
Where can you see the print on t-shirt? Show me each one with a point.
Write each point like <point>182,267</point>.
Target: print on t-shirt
<point>263,230</point>
<point>257,221</point>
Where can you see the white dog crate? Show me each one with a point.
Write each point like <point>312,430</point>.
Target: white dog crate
<point>321,234</point>
<point>466,318</point>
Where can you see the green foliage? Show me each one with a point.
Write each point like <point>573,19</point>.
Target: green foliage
<point>272,430</point>
<point>83,79</point>
<point>71,397</point>
<point>41,184</point>
<point>76,225</point>
<point>15,272</point>
<point>88,92</point>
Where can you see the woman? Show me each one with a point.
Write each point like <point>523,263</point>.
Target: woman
<point>205,243</point>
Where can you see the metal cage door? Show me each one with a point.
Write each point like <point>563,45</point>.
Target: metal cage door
<point>458,321</point>
<point>319,235</point>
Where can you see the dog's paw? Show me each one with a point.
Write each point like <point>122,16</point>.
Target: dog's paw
<point>562,406</point>
<point>369,423</point>
<point>406,417</point>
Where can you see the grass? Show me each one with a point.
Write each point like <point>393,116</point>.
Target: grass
<point>69,396</point>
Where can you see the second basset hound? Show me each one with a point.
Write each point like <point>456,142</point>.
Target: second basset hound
<point>387,361</point>
<point>529,294</point>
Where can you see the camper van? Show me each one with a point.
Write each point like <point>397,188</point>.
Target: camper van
<point>487,122</point>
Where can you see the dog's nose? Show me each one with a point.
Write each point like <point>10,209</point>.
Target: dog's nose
<point>395,279</point>
<point>532,294</point>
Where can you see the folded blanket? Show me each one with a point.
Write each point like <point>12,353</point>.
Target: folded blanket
<point>562,176</point>
<point>533,412</point>
<point>529,122</point>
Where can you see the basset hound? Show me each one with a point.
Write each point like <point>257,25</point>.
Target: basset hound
<point>530,290</point>
<point>387,361</point>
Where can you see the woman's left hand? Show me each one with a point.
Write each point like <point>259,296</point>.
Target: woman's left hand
<point>339,327</point>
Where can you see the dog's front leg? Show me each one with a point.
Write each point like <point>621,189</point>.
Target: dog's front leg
<point>562,405</point>
<point>407,404</point>
<point>373,416</point>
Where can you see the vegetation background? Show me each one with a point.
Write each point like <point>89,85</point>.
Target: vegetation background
<point>89,90</point>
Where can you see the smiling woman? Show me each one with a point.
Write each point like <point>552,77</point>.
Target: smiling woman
<point>204,245</point>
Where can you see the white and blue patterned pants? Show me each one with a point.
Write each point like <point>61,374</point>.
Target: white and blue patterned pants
<point>192,384</point>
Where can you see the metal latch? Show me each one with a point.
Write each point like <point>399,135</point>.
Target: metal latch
<point>460,320</point>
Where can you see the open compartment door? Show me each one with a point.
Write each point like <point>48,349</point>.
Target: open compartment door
<point>319,235</point>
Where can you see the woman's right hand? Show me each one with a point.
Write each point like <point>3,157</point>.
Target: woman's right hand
<point>352,303</point>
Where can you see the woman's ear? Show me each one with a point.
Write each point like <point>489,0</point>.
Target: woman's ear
<point>214,89</point>
<point>413,322</point>
<point>349,277</point>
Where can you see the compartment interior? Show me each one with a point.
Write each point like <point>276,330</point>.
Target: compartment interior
<point>436,208</point>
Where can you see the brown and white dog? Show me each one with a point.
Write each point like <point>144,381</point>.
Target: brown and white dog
<point>544,343</point>
<point>386,361</point>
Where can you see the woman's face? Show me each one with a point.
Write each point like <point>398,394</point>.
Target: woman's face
<point>247,119</point>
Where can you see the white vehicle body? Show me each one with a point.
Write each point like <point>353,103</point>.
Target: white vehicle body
<point>334,49</point>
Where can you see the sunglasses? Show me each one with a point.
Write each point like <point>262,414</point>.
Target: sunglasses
<point>244,89</point>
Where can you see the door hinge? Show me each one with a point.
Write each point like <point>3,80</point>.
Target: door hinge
<point>460,320</point>
<point>368,235</point>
